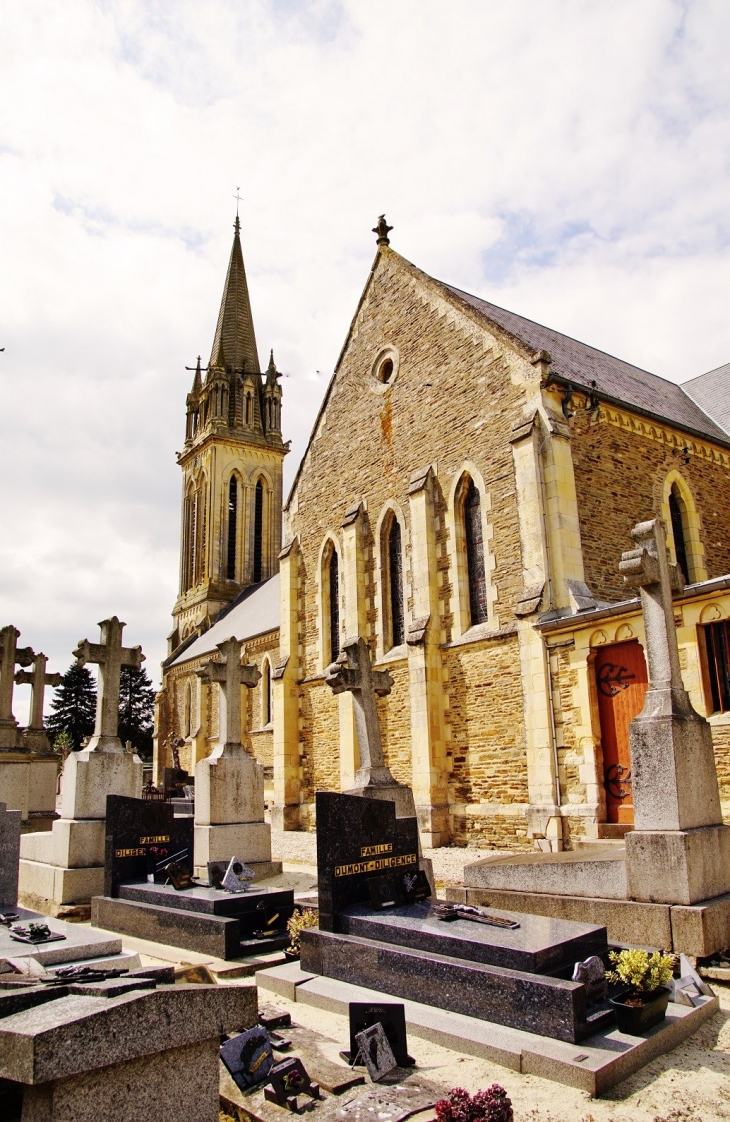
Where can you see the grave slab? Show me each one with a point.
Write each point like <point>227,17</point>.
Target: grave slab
<point>598,1063</point>
<point>80,942</point>
<point>536,1003</point>
<point>539,945</point>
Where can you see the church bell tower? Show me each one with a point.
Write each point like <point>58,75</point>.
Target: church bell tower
<point>232,467</point>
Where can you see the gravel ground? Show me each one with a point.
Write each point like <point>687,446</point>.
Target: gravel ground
<point>298,849</point>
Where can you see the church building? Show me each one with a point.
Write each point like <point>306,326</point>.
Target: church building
<point>469,486</point>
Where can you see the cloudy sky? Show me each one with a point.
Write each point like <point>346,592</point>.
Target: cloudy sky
<point>567,159</point>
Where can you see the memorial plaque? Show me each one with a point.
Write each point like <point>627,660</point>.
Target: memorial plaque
<point>142,838</point>
<point>216,872</point>
<point>179,876</point>
<point>248,1057</point>
<point>289,1079</point>
<point>238,876</point>
<point>376,1052</point>
<point>386,892</point>
<point>358,839</point>
<point>392,1016</point>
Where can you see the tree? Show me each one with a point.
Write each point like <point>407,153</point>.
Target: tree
<point>136,710</point>
<point>74,706</point>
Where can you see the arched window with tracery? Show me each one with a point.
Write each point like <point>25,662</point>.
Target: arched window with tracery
<point>474,543</point>
<point>232,527</point>
<point>334,604</point>
<point>395,584</point>
<point>258,532</point>
<point>678,515</point>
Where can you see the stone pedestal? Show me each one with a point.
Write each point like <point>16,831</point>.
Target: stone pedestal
<point>229,812</point>
<point>61,869</point>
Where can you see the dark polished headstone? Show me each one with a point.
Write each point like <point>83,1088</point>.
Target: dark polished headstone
<point>533,1002</point>
<point>9,856</point>
<point>392,1016</point>
<point>358,839</point>
<point>141,835</point>
<point>539,945</point>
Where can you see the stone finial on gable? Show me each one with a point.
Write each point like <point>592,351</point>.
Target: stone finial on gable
<point>382,230</point>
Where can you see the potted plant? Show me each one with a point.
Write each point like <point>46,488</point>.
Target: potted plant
<point>643,1003</point>
<point>296,923</point>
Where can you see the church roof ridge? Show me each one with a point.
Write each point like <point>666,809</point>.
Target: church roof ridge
<point>234,343</point>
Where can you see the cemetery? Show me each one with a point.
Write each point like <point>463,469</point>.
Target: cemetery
<point>495,969</point>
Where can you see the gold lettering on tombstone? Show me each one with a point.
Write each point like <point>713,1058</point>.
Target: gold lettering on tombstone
<point>376,865</point>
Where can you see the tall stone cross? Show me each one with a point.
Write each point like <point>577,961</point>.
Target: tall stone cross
<point>364,683</point>
<point>37,679</point>
<point>111,656</point>
<point>10,656</point>
<point>647,568</point>
<point>230,676</point>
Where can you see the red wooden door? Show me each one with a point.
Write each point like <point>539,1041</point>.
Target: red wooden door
<point>621,683</point>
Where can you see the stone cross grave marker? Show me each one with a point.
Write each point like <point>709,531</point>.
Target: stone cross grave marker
<point>10,655</point>
<point>110,656</point>
<point>37,679</point>
<point>230,676</point>
<point>353,672</point>
<point>673,770</point>
<point>647,568</point>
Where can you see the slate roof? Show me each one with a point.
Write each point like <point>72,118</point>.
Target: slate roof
<point>581,365</point>
<point>254,612</point>
<point>711,391</point>
<point>235,340</point>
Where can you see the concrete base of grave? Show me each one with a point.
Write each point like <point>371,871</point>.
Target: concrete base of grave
<point>596,888</point>
<point>250,842</point>
<point>90,775</point>
<point>594,1066</point>
<point>398,793</point>
<point>678,866</point>
<point>101,1054</point>
<point>698,930</point>
<point>63,867</point>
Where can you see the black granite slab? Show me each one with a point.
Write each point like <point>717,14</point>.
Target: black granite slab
<point>535,1003</point>
<point>140,834</point>
<point>539,945</point>
<point>219,936</point>
<point>255,910</point>
<point>358,839</point>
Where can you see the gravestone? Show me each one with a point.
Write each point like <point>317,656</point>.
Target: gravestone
<point>679,849</point>
<point>9,856</point>
<point>375,1051</point>
<point>392,1016</point>
<point>249,1057</point>
<point>10,656</point>
<point>358,840</point>
<point>35,736</point>
<point>229,784</point>
<point>353,672</point>
<point>141,838</point>
<point>62,869</point>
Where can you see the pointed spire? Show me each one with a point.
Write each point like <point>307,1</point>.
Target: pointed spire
<point>272,373</point>
<point>235,342</point>
<point>197,380</point>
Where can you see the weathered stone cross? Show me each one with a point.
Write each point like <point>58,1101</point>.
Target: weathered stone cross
<point>10,655</point>
<point>230,676</point>
<point>647,568</point>
<point>37,679</point>
<point>111,656</point>
<point>359,678</point>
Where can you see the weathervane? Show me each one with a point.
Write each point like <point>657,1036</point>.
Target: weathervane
<point>238,199</point>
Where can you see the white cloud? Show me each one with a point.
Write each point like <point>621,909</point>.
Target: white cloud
<point>564,158</point>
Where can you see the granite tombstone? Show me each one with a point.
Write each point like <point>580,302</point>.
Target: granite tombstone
<point>359,840</point>
<point>392,1016</point>
<point>249,1057</point>
<point>9,856</point>
<point>142,838</point>
<point>373,1047</point>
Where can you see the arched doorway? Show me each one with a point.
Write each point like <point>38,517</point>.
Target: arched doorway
<point>621,682</point>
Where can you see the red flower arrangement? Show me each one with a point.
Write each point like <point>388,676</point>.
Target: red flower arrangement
<point>491,1105</point>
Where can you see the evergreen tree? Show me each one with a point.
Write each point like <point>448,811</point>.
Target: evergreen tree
<point>136,710</point>
<point>74,706</point>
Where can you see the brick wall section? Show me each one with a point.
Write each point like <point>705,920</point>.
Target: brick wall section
<point>619,478</point>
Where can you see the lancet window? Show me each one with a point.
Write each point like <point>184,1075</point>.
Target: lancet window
<point>395,583</point>
<point>334,605</point>
<point>232,527</point>
<point>474,542</point>
<point>678,530</point>
<point>258,532</point>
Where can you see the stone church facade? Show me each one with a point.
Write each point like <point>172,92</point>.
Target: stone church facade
<point>470,484</point>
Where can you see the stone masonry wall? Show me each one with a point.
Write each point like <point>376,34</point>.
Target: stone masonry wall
<point>619,475</point>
